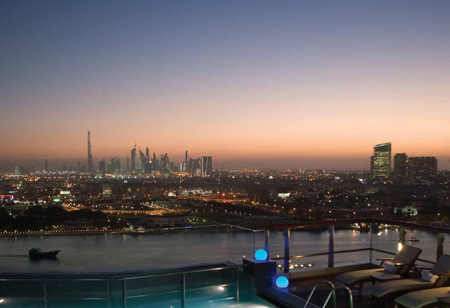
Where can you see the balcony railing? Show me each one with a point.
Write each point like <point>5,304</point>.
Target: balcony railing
<point>331,229</point>
<point>115,292</point>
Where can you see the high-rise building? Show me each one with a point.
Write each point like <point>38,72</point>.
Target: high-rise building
<point>186,157</point>
<point>102,166</point>
<point>147,153</point>
<point>422,168</point>
<point>79,166</point>
<point>90,165</point>
<point>206,165</point>
<point>46,165</point>
<point>155,163</point>
<point>181,166</point>
<point>133,158</point>
<point>128,164</point>
<point>142,161</point>
<point>164,164</point>
<point>380,162</point>
<point>400,162</point>
<point>115,166</point>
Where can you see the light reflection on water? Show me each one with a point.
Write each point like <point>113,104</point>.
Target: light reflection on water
<point>113,253</point>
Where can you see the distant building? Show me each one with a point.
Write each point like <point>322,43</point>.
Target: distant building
<point>115,166</point>
<point>206,165</point>
<point>400,164</point>
<point>90,165</point>
<point>380,162</point>
<point>181,166</point>
<point>142,160</point>
<point>102,166</point>
<point>155,163</point>
<point>133,158</point>
<point>164,164</point>
<point>46,165</point>
<point>422,168</point>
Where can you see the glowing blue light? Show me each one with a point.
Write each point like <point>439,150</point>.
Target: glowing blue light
<point>260,255</point>
<point>282,282</point>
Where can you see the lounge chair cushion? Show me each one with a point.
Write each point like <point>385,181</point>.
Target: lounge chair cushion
<point>357,276</point>
<point>394,286</point>
<point>428,276</point>
<point>391,267</point>
<point>422,298</point>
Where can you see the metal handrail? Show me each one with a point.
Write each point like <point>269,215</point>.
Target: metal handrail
<point>185,272</point>
<point>333,293</point>
<point>321,254</point>
<point>314,290</point>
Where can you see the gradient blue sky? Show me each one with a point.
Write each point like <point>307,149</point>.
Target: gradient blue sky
<point>294,84</point>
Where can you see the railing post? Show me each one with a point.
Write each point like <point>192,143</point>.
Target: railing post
<point>237,284</point>
<point>266,242</point>
<point>45,295</point>
<point>370,241</point>
<point>287,235</point>
<point>331,247</point>
<point>440,246</point>
<point>124,294</point>
<point>402,235</point>
<point>183,290</point>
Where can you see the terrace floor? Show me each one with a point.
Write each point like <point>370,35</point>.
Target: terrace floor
<point>302,288</point>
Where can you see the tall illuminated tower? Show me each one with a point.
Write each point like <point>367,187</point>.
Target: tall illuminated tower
<point>90,161</point>
<point>380,162</point>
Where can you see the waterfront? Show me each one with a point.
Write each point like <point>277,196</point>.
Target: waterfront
<point>174,249</point>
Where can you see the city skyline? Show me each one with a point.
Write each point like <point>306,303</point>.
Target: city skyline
<point>137,163</point>
<point>254,84</point>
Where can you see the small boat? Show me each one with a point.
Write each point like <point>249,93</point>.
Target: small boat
<point>413,239</point>
<point>37,253</point>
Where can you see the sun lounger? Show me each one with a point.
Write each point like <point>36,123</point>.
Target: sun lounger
<point>424,298</point>
<point>399,265</point>
<point>438,277</point>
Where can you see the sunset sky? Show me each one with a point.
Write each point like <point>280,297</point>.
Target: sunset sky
<point>257,84</point>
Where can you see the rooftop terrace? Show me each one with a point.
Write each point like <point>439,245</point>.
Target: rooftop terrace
<point>250,283</point>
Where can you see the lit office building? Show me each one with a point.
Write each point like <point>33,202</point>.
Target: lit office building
<point>380,162</point>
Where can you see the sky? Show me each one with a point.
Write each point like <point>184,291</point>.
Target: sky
<point>255,84</point>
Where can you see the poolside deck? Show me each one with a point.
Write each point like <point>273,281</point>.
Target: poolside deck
<point>302,288</point>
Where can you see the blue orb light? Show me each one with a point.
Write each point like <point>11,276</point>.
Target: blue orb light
<point>260,255</point>
<point>282,282</point>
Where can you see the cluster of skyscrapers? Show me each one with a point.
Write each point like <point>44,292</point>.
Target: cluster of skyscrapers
<point>413,168</point>
<point>163,165</point>
<point>146,164</point>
